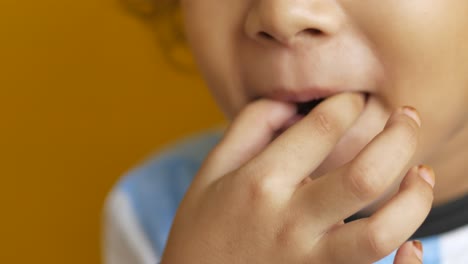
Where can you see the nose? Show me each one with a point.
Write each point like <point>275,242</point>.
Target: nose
<point>286,21</point>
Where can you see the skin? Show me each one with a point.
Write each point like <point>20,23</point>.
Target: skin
<point>347,153</point>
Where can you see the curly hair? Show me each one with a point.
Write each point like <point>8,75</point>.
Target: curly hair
<point>165,19</point>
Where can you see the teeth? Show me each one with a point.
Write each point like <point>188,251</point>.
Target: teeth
<point>306,107</point>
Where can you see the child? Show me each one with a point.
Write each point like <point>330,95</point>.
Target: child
<point>320,161</point>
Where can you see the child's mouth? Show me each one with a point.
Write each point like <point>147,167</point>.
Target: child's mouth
<point>304,108</point>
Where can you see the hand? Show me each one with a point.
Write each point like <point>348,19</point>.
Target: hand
<point>253,202</point>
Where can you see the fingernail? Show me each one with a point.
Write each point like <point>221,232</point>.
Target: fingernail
<point>427,174</point>
<point>412,113</point>
<point>418,249</point>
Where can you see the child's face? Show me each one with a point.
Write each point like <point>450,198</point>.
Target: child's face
<point>400,52</point>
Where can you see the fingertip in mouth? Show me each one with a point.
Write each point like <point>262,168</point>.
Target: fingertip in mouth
<point>304,108</point>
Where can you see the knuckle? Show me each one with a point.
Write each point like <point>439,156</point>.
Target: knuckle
<point>324,123</point>
<point>378,241</point>
<point>290,234</point>
<point>361,182</point>
<point>260,189</point>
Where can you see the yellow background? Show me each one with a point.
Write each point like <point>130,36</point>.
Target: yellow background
<point>84,95</point>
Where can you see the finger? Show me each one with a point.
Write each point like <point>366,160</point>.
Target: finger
<point>298,151</point>
<point>370,239</point>
<point>365,178</point>
<point>249,133</point>
<point>410,252</point>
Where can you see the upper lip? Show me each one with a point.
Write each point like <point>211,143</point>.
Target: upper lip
<point>303,95</point>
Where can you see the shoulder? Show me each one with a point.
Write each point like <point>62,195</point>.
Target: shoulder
<point>152,192</point>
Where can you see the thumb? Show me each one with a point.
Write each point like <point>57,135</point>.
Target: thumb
<point>410,252</point>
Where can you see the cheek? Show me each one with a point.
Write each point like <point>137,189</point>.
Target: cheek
<point>211,29</point>
<point>422,47</point>
<point>421,43</point>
